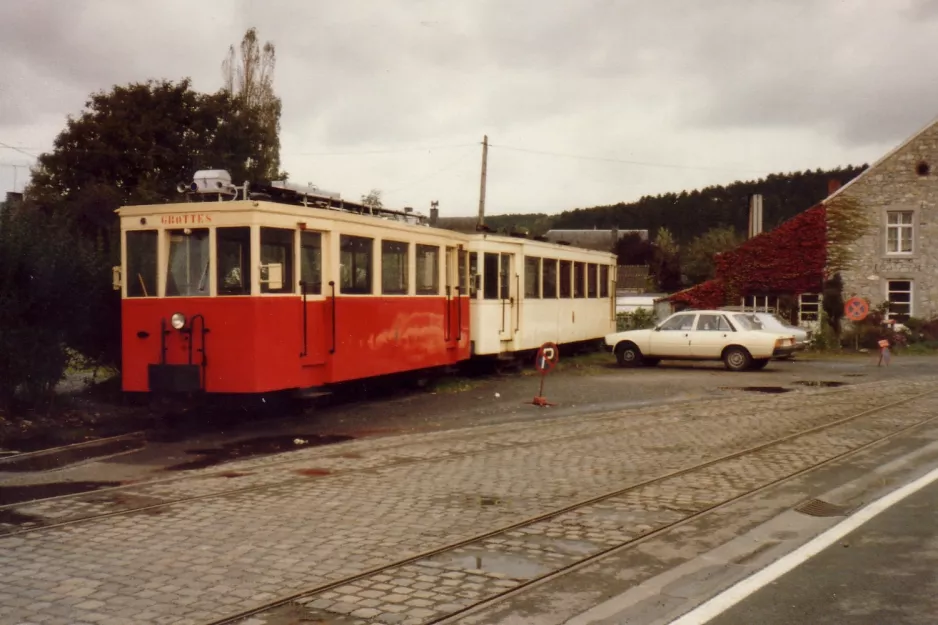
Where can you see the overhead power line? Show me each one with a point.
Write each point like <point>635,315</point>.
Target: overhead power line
<point>626,161</point>
<point>425,148</point>
<point>16,149</point>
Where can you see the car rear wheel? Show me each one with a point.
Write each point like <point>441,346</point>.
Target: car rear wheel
<point>737,359</point>
<point>628,355</point>
<point>760,363</point>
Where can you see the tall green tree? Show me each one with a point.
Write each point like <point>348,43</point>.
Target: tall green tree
<point>133,145</point>
<point>698,261</point>
<point>666,262</point>
<point>249,78</point>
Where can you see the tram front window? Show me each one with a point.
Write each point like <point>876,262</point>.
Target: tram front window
<point>188,272</point>
<point>141,263</point>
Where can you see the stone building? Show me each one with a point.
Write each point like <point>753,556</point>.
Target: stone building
<point>897,260</point>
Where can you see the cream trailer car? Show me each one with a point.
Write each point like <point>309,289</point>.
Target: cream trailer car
<point>735,338</point>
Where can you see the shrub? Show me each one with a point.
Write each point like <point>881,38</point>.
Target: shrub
<point>636,320</point>
<point>45,278</point>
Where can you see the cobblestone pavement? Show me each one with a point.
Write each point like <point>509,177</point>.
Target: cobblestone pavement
<point>371,504</point>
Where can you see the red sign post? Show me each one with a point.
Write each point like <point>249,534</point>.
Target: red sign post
<point>547,357</point>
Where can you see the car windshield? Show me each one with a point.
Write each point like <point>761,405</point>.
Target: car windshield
<point>748,322</point>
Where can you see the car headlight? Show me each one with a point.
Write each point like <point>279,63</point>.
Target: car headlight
<point>178,321</point>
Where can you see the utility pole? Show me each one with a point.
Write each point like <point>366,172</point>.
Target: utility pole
<point>485,157</point>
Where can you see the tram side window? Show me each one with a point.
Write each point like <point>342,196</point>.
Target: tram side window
<point>355,256</point>
<point>187,273</point>
<point>532,277</point>
<point>428,270</point>
<point>550,277</point>
<point>490,284</point>
<point>311,261</point>
<point>277,249</point>
<point>462,268</point>
<point>604,280</point>
<point>565,286</point>
<point>578,290</point>
<point>473,272</point>
<point>394,267</point>
<point>505,276</point>
<point>141,263</point>
<point>233,251</point>
<point>591,275</point>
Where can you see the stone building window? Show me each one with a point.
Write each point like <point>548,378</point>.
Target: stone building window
<point>899,232</point>
<point>922,169</point>
<point>899,294</point>
<point>809,308</point>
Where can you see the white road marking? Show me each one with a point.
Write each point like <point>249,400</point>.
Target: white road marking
<point>733,595</point>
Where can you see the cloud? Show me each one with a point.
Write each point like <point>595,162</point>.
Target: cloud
<point>701,93</point>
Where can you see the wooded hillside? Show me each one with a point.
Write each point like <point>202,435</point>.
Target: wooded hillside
<point>686,214</point>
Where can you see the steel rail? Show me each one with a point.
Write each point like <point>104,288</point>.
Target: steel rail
<point>590,501</point>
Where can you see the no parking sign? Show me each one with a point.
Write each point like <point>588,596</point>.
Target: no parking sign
<point>546,360</point>
<point>547,357</point>
<point>856,309</point>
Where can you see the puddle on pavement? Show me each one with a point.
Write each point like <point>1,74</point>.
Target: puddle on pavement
<point>820,383</point>
<point>251,447</point>
<point>31,492</point>
<point>515,567</point>
<point>17,519</point>
<point>757,389</point>
<point>854,375</point>
<point>573,547</point>
<point>65,457</point>
<point>313,472</point>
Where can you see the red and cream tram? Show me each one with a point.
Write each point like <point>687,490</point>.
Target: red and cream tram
<point>239,290</point>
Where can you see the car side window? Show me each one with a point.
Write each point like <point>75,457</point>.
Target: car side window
<point>678,323</point>
<point>713,323</point>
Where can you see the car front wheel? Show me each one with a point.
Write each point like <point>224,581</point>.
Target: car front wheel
<point>760,363</point>
<point>737,359</point>
<point>628,355</point>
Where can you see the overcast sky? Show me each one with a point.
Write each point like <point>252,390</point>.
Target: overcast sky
<point>585,102</point>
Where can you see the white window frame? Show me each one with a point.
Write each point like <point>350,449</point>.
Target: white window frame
<point>809,312</point>
<point>889,293</point>
<point>902,228</point>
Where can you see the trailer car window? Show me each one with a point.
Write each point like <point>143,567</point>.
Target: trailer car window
<point>355,256</point>
<point>550,277</point>
<point>566,267</point>
<point>463,275</point>
<point>311,261</point>
<point>490,279</point>
<point>277,247</point>
<point>428,270</point>
<point>394,267</point>
<point>473,272</point>
<point>141,263</point>
<point>579,289</point>
<point>591,277</point>
<point>233,257</point>
<point>504,275</point>
<point>532,277</point>
<point>188,264</point>
<point>604,280</point>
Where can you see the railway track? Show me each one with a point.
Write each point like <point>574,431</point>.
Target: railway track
<point>271,472</point>
<point>435,584</point>
<point>331,603</point>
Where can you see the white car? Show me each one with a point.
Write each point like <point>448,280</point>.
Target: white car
<point>736,338</point>
<point>774,323</point>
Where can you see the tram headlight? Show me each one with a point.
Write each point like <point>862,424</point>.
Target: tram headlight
<point>178,321</point>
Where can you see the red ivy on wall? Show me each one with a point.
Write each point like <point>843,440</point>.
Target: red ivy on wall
<point>790,259</point>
